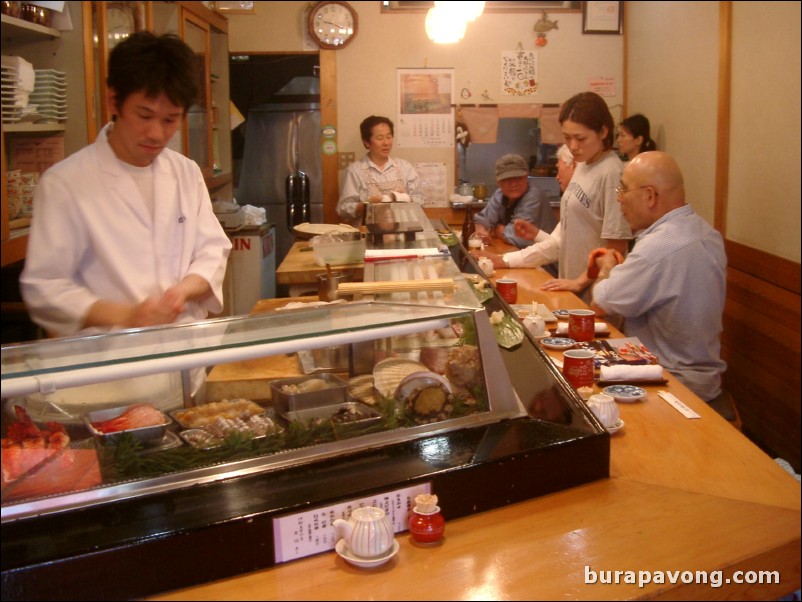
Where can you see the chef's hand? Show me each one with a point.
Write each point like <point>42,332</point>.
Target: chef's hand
<point>376,198</point>
<point>152,312</point>
<point>525,229</point>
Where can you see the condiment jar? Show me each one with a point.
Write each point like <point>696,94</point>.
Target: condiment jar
<point>427,526</point>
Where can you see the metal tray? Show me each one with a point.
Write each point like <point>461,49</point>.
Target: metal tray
<point>284,402</point>
<point>241,408</point>
<point>328,413</point>
<point>145,434</point>
<point>202,438</point>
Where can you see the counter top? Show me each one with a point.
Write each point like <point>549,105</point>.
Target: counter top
<point>683,495</point>
<point>299,267</point>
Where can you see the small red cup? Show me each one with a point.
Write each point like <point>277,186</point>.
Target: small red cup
<point>582,324</point>
<point>508,289</point>
<point>578,367</point>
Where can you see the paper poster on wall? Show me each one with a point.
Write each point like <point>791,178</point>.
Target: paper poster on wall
<point>425,108</point>
<point>603,86</point>
<point>518,73</point>
<point>432,184</point>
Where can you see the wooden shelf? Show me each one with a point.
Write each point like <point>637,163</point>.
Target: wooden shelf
<point>21,30</point>
<point>219,180</point>
<point>13,249</point>
<point>33,127</point>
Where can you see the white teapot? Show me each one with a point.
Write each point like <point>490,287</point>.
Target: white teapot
<point>535,324</point>
<point>368,533</point>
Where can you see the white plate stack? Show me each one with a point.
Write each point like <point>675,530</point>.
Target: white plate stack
<point>17,85</point>
<point>50,95</point>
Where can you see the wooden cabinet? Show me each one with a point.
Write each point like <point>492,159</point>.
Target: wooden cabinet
<point>82,54</point>
<point>45,48</point>
<point>205,136</point>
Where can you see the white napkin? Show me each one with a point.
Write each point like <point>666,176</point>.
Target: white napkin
<point>628,373</point>
<point>599,327</point>
<point>390,253</point>
<point>400,197</point>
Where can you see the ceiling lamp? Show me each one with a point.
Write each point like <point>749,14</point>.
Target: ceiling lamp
<point>471,10</point>
<point>445,23</point>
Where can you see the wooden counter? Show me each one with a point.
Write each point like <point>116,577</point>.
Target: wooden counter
<point>299,267</point>
<point>683,495</point>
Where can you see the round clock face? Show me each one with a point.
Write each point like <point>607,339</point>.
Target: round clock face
<point>332,24</point>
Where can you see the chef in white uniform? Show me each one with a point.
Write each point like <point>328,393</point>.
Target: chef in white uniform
<point>123,233</point>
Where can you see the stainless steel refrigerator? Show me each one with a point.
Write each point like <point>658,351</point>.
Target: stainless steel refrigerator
<point>281,168</point>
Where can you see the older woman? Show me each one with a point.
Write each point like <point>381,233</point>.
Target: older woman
<point>376,175</point>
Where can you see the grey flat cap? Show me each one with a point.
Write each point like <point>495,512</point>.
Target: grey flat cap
<point>511,166</point>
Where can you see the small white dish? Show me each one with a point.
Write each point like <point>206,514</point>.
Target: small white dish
<point>561,314</point>
<point>366,563</point>
<point>558,343</point>
<point>625,393</point>
<point>616,427</point>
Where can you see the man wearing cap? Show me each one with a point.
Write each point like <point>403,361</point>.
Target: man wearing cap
<point>515,199</point>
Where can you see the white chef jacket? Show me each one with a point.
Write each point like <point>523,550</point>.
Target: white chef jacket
<point>93,237</point>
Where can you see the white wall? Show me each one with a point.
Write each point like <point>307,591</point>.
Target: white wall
<point>366,68</point>
<point>764,190</point>
<point>673,79</point>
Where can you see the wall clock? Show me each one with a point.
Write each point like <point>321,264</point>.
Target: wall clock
<point>332,24</point>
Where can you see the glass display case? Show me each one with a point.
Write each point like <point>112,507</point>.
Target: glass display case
<point>362,399</point>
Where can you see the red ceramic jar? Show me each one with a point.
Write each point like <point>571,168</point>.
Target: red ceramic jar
<point>427,527</point>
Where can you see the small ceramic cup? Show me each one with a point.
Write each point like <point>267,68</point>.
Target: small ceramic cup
<point>578,367</point>
<point>581,324</point>
<point>605,408</point>
<point>508,289</point>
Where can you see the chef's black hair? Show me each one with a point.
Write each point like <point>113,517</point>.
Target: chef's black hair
<point>154,64</point>
<point>589,109</point>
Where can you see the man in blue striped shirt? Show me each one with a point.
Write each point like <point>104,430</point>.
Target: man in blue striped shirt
<point>670,289</point>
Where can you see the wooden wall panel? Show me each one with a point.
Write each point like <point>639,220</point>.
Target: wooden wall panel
<point>761,345</point>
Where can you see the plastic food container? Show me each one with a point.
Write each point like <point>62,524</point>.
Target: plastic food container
<point>145,434</point>
<point>312,391</point>
<point>337,252</point>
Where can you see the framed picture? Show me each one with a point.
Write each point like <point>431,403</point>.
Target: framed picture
<point>603,17</point>
<point>235,7</point>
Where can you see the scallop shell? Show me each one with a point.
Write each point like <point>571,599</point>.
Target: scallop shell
<point>389,373</point>
<point>361,388</point>
<point>414,383</point>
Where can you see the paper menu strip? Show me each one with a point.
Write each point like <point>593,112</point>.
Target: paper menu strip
<point>311,532</point>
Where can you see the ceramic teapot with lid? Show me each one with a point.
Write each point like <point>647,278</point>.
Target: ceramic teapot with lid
<point>368,533</point>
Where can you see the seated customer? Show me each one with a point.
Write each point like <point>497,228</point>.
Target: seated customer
<point>374,177</point>
<point>515,199</point>
<point>670,289</point>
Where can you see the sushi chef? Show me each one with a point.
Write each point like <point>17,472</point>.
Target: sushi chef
<point>123,234</point>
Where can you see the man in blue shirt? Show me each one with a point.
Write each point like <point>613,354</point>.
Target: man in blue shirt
<point>514,199</point>
<point>671,287</point>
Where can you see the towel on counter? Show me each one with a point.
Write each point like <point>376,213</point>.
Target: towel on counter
<point>390,253</point>
<point>632,373</point>
<point>599,328</point>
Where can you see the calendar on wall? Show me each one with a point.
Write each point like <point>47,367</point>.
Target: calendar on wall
<point>425,108</point>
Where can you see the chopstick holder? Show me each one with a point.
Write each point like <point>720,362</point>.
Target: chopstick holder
<point>678,405</point>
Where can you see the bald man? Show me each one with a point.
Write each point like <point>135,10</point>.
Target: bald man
<point>670,289</point>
